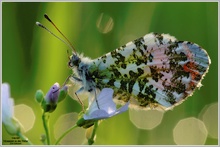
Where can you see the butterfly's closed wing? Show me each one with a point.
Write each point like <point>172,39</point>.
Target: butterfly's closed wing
<point>154,69</point>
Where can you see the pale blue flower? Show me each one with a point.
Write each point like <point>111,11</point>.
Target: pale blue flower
<point>104,107</point>
<point>10,123</point>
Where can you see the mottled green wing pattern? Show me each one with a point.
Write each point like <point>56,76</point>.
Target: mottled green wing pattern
<point>154,69</point>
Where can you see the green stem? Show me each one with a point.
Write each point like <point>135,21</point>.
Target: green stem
<point>24,138</point>
<point>65,133</point>
<point>45,119</point>
<point>91,140</point>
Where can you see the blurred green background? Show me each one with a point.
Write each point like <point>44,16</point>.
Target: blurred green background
<point>33,59</point>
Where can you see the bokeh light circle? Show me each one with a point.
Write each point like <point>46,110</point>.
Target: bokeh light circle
<point>63,123</point>
<point>25,115</point>
<point>145,119</point>
<point>190,131</point>
<point>210,119</point>
<point>104,23</point>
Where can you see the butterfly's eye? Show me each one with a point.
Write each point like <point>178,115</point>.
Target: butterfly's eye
<point>74,61</point>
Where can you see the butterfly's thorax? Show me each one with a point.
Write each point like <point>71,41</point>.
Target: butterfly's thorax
<point>80,66</point>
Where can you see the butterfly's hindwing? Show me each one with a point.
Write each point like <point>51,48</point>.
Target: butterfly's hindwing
<point>154,69</point>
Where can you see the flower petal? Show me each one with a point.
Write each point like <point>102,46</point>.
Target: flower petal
<point>5,91</point>
<point>7,103</point>
<point>122,109</point>
<point>101,114</point>
<point>97,114</point>
<point>10,123</point>
<point>104,101</point>
<point>104,107</point>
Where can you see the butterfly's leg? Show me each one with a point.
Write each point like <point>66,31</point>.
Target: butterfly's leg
<point>67,79</point>
<point>78,91</point>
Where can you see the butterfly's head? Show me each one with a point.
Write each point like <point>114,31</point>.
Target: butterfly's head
<point>74,60</point>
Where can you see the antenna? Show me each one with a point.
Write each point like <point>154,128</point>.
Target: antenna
<point>42,26</point>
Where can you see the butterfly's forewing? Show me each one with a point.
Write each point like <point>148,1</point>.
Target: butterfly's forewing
<point>154,69</point>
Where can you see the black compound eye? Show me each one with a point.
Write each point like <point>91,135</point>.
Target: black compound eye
<point>75,60</point>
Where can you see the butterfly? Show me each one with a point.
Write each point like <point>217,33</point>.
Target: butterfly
<point>153,70</point>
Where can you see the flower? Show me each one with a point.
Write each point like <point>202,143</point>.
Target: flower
<point>53,96</point>
<point>104,107</point>
<point>10,123</point>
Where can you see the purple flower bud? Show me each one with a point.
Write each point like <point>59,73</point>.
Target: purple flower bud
<point>52,95</point>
